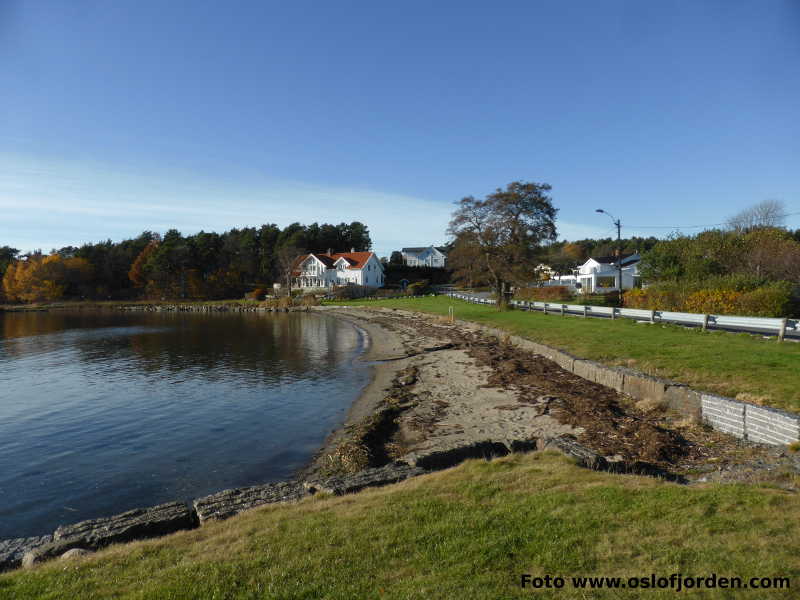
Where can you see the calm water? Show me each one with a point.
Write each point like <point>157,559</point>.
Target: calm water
<point>103,412</point>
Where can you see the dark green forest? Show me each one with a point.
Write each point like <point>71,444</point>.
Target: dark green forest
<point>205,265</point>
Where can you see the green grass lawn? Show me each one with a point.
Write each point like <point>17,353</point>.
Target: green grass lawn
<point>468,532</point>
<point>761,370</point>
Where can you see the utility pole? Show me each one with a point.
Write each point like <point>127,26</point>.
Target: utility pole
<point>619,249</point>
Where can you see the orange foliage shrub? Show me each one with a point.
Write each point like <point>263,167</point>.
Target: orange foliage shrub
<point>773,300</point>
<point>543,294</point>
<point>723,302</point>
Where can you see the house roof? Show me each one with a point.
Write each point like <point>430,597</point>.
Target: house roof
<point>422,249</point>
<point>610,260</point>
<point>355,260</point>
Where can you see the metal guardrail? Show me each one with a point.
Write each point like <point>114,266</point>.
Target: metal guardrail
<point>779,327</point>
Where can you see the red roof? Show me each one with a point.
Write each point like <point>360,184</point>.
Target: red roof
<point>355,260</point>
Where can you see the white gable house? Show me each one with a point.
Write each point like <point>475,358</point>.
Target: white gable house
<point>599,275</point>
<point>424,257</point>
<point>327,270</point>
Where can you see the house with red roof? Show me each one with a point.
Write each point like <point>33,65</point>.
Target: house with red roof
<point>318,270</point>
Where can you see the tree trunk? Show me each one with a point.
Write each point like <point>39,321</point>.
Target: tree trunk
<point>499,290</point>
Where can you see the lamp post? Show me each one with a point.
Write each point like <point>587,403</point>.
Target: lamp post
<point>619,249</point>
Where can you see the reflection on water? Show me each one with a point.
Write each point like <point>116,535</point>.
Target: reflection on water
<point>101,411</point>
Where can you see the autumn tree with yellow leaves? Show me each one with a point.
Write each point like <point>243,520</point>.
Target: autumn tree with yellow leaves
<point>45,278</point>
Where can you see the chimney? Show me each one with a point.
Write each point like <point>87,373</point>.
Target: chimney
<point>352,250</point>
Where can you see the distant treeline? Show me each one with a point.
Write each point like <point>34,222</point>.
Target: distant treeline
<point>174,266</point>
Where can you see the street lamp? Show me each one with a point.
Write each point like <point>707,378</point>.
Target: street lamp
<point>619,248</point>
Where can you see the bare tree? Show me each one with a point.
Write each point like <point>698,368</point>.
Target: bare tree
<point>287,261</point>
<point>771,254</point>
<point>506,230</point>
<point>769,213</point>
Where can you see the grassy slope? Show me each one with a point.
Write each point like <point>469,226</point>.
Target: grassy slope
<point>765,370</point>
<point>468,532</point>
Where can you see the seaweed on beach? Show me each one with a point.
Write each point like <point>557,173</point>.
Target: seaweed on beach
<point>368,442</point>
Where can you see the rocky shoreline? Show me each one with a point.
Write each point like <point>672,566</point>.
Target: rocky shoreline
<point>441,393</point>
<point>156,307</point>
<point>207,308</point>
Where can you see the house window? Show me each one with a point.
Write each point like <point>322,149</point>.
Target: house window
<point>606,282</point>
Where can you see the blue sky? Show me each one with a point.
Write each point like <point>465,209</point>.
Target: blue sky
<point>116,117</point>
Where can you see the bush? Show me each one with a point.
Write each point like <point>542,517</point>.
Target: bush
<point>418,288</point>
<point>257,294</point>
<point>774,300</point>
<point>724,302</point>
<point>608,299</point>
<point>771,300</point>
<point>396,273</point>
<point>351,292</point>
<point>385,292</point>
<point>660,297</point>
<point>543,294</point>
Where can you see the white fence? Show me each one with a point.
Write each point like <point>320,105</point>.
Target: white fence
<point>780,327</point>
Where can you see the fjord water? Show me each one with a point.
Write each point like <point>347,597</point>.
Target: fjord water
<point>101,412</point>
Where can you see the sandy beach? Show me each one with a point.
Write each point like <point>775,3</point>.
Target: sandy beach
<point>440,387</point>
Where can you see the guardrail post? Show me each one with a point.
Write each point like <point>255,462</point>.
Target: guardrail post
<point>563,308</point>
<point>545,308</point>
<point>652,316</point>
<point>782,330</point>
<point>705,322</point>
<point>613,312</point>
<point>585,311</point>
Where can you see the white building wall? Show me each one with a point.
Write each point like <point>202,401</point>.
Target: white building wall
<point>314,274</point>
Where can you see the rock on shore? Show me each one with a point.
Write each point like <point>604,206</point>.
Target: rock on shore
<point>12,551</point>
<point>228,503</point>
<point>93,534</point>
<point>375,477</point>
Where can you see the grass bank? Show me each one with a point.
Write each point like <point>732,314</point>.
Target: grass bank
<point>468,532</point>
<point>733,364</point>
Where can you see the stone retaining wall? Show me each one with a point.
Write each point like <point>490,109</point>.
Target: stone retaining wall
<point>751,422</point>
<point>144,523</point>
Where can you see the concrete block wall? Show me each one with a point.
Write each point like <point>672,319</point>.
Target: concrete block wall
<point>644,387</point>
<point>593,371</point>
<point>751,422</point>
<point>724,414</point>
<point>771,426</point>
<point>683,399</point>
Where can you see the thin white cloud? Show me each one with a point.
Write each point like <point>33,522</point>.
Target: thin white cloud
<point>70,203</point>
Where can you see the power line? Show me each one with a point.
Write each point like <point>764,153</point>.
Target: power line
<point>693,226</point>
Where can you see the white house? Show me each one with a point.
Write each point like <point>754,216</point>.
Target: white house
<point>319,270</point>
<point>598,275</point>
<point>424,257</point>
